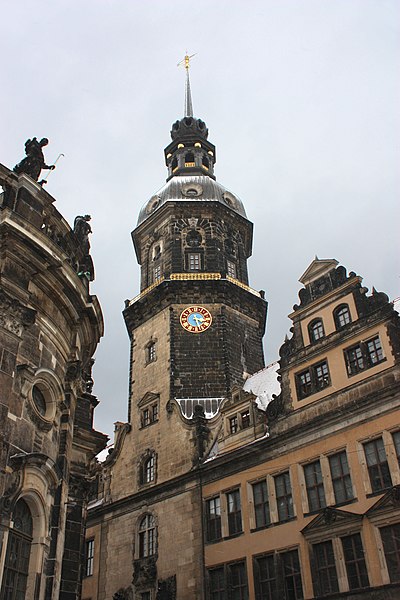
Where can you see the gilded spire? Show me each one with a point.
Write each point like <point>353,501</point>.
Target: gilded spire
<point>188,111</point>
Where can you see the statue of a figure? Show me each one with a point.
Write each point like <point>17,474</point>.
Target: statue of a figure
<point>34,161</point>
<point>82,230</point>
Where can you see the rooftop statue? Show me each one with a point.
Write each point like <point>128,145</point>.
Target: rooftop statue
<point>34,161</point>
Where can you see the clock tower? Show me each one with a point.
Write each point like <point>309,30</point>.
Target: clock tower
<point>195,313</point>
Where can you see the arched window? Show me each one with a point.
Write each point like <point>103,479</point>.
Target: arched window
<point>16,570</point>
<point>174,164</point>
<point>205,162</point>
<point>316,330</point>
<point>147,537</point>
<point>342,316</point>
<point>148,468</point>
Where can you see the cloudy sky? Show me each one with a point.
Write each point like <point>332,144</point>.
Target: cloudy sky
<point>301,98</point>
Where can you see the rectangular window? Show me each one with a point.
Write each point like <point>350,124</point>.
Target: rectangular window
<point>265,577</point>
<point>149,415</point>
<point>216,580</point>
<point>237,578</point>
<point>245,419</point>
<point>234,512</point>
<point>314,486</point>
<point>364,355</point>
<point>261,504</point>
<point>231,269</point>
<point>213,516</point>
<point>284,500</point>
<point>157,272</point>
<point>151,352</point>
<point>89,558</point>
<point>340,475</point>
<point>194,262</point>
<point>313,380</point>
<point>233,424</point>
<point>356,568</point>
<point>391,545</point>
<point>292,575</point>
<point>378,467</point>
<point>396,441</point>
<point>325,576</point>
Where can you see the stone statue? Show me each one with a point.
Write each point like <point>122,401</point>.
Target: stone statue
<point>82,230</point>
<point>34,161</point>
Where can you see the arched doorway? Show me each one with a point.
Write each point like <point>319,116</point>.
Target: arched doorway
<point>16,569</point>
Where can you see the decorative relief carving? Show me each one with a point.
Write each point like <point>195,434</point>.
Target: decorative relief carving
<point>144,572</point>
<point>166,589</point>
<point>14,316</point>
<point>124,594</point>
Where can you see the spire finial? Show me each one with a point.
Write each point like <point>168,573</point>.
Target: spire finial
<point>188,112</point>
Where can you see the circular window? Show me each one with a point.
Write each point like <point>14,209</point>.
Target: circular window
<point>192,190</point>
<point>39,400</point>
<point>194,238</point>
<point>152,204</point>
<point>230,200</point>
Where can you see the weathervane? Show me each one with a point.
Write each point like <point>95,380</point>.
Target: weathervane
<point>188,96</point>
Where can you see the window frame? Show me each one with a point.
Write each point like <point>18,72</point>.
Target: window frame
<point>234,512</point>
<point>316,330</point>
<point>325,576</point>
<point>358,357</point>
<point>337,316</point>
<point>147,536</point>
<point>376,468</point>
<point>286,498</point>
<point>357,562</point>
<point>213,528</point>
<point>89,557</point>
<point>263,504</point>
<point>313,381</point>
<point>314,482</point>
<point>339,481</point>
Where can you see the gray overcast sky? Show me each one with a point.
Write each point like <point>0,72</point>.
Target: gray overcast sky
<point>301,98</point>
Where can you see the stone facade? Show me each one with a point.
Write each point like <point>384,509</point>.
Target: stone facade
<point>49,328</point>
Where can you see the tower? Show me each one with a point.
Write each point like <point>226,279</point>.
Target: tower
<point>192,242</point>
<point>196,332</point>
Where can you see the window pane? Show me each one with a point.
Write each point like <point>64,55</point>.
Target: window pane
<point>292,575</point>
<point>261,504</point>
<point>238,581</point>
<point>315,486</point>
<point>194,262</point>
<point>378,468</point>
<point>265,578</point>
<point>326,576</point>
<point>216,579</point>
<point>374,350</point>
<point>316,331</point>
<point>321,376</point>
<point>341,480</point>
<point>391,545</point>
<point>342,316</point>
<point>234,512</point>
<point>355,563</point>
<point>284,499</point>
<point>213,515</point>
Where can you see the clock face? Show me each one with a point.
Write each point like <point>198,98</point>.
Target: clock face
<point>195,319</point>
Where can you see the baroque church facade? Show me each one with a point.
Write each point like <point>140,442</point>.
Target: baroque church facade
<point>229,480</point>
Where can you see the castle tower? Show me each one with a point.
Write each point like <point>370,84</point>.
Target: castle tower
<point>196,314</point>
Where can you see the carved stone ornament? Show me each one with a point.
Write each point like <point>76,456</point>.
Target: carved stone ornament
<point>124,594</point>
<point>166,589</point>
<point>152,204</point>
<point>12,489</point>
<point>329,516</point>
<point>14,316</point>
<point>144,572</point>
<point>191,190</point>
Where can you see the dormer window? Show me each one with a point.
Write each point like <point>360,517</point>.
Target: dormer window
<point>316,330</point>
<point>342,316</point>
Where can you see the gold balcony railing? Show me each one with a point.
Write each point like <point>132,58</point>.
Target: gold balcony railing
<point>193,277</point>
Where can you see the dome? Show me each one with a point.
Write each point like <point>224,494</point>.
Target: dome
<point>191,187</point>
